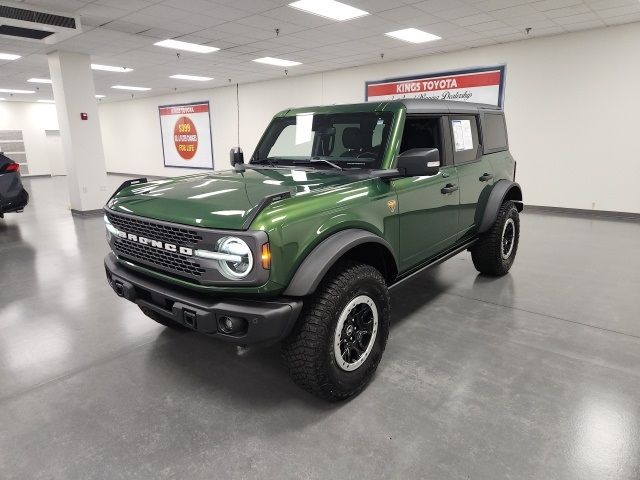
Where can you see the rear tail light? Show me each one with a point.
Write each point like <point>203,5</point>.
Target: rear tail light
<point>12,167</point>
<point>515,164</point>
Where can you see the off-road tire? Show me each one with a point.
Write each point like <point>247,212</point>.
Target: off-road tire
<point>309,349</point>
<point>487,254</point>
<point>162,320</point>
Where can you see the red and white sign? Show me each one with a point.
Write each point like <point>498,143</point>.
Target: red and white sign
<point>186,135</point>
<point>479,85</point>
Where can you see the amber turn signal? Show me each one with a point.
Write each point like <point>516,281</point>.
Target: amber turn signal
<point>266,256</point>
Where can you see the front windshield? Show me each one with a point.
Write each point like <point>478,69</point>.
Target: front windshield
<point>332,140</point>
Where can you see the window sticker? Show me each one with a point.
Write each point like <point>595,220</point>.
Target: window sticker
<point>462,135</point>
<point>304,124</point>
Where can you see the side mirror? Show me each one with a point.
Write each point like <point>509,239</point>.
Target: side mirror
<point>236,157</point>
<point>419,162</point>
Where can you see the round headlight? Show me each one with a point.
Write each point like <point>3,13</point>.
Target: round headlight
<point>240,266</point>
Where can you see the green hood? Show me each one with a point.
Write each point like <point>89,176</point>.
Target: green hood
<point>219,199</point>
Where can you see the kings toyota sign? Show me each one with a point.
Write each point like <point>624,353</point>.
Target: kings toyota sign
<point>478,85</point>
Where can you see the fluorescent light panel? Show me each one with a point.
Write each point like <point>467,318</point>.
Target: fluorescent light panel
<point>39,80</point>
<point>413,35</point>
<point>196,78</point>
<point>12,90</point>
<point>46,101</point>
<point>329,9</point>
<point>189,47</point>
<point>9,56</point>
<point>98,95</point>
<point>277,61</point>
<point>2,98</point>
<point>109,68</point>
<point>126,87</point>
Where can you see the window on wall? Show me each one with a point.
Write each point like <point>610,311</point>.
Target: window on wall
<point>494,132</point>
<point>464,130</point>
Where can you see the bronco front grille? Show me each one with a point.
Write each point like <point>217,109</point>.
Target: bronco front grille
<point>149,229</point>
<point>161,258</point>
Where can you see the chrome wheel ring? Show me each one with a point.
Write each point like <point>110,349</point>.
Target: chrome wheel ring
<point>508,238</point>
<point>355,333</point>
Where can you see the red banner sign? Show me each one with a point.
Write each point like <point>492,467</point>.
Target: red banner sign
<point>480,85</point>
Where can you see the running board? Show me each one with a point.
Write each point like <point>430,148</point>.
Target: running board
<point>435,262</point>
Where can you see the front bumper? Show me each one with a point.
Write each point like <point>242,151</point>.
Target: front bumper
<point>266,321</point>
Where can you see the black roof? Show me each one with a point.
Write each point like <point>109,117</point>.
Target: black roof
<point>421,105</point>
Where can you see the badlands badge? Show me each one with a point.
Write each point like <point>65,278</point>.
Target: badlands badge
<point>391,204</point>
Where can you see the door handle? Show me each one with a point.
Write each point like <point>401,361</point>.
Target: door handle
<point>449,188</point>
<point>486,177</point>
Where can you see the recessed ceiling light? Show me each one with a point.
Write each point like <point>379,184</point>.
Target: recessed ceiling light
<point>98,95</point>
<point>277,61</point>
<point>109,68</point>
<point>125,87</point>
<point>39,80</point>
<point>329,9</point>
<point>9,56</point>
<point>413,35</point>
<point>46,101</point>
<point>191,77</point>
<point>189,47</point>
<point>12,90</point>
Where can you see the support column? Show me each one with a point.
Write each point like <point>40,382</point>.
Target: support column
<point>74,94</point>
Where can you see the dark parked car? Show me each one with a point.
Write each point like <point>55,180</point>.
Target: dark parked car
<point>13,196</point>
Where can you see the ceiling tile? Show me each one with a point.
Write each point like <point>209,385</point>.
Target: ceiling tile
<point>473,19</point>
<point>459,12</point>
<point>545,5</point>
<point>567,11</point>
<point>435,6</point>
<point>588,25</point>
<point>618,11</point>
<point>583,17</point>
<point>634,17</point>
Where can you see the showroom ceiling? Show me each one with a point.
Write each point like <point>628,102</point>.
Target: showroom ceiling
<point>122,33</point>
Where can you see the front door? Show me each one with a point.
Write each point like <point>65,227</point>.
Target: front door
<point>427,206</point>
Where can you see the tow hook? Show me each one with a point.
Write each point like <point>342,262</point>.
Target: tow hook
<point>119,288</point>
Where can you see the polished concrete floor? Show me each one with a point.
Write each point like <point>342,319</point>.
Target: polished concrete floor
<point>532,376</point>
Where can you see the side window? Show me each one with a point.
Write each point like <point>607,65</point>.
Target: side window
<point>494,132</point>
<point>464,129</point>
<point>421,132</point>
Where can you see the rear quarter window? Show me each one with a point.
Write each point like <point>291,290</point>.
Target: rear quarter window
<point>494,133</point>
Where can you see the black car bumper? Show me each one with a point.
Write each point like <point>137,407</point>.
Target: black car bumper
<point>257,321</point>
<point>14,202</point>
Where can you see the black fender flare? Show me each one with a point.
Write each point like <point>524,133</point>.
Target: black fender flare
<point>499,192</point>
<point>316,265</point>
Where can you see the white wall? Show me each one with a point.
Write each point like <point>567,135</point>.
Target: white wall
<point>33,119</point>
<point>570,102</point>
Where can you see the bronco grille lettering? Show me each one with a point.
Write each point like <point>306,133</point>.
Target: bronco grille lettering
<point>169,247</point>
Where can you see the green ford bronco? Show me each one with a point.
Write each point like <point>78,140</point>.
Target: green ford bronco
<point>337,205</point>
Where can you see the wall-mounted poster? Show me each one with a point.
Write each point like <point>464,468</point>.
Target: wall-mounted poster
<point>186,135</point>
<point>479,85</point>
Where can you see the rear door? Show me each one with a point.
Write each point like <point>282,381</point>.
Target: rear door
<point>475,176</point>
<point>428,215</point>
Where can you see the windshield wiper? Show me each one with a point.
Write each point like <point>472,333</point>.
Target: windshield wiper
<point>322,160</point>
<point>259,160</point>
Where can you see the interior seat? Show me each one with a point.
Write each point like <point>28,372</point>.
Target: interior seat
<point>352,141</point>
